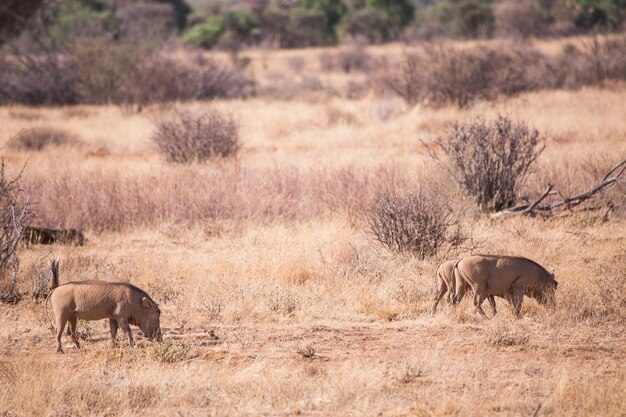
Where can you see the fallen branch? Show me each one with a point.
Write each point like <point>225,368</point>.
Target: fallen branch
<point>612,178</point>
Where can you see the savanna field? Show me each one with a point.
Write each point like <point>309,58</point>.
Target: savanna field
<point>272,251</point>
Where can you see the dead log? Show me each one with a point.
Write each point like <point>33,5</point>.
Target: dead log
<point>45,236</point>
<point>613,177</point>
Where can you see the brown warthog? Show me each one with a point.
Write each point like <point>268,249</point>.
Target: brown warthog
<point>443,278</point>
<point>120,302</point>
<point>508,276</point>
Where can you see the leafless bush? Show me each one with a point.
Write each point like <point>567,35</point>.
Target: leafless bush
<point>162,78</point>
<point>133,74</point>
<point>15,212</point>
<point>443,74</point>
<point>167,352</point>
<point>37,274</point>
<point>597,61</point>
<point>38,138</point>
<point>504,336</point>
<point>413,223</point>
<point>186,137</point>
<point>98,70</point>
<point>296,63</point>
<point>407,79</point>
<point>307,351</point>
<point>38,73</point>
<point>327,61</point>
<point>463,76</point>
<point>490,160</point>
<point>520,18</point>
<point>354,57</point>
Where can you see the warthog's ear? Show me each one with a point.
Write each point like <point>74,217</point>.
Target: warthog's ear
<point>147,303</point>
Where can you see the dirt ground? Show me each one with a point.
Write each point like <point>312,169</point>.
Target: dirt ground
<point>451,363</point>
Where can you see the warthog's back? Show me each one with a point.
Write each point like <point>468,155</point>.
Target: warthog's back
<point>499,273</point>
<point>446,268</point>
<point>95,300</point>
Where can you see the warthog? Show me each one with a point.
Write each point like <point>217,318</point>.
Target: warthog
<point>120,302</point>
<point>508,276</point>
<point>444,281</point>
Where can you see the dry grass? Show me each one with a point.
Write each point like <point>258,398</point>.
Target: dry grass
<point>270,252</point>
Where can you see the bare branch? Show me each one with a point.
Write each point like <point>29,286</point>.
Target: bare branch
<point>607,182</point>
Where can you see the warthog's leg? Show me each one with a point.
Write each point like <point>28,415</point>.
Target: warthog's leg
<point>61,321</point>
<point>479,297</point>
<point>518,296</point>
<point>113,328</point>
<point>440,293</point>
<point>123,323</point>
<point>460,293</point>
<point>492,303</point>
<point>72,329</point>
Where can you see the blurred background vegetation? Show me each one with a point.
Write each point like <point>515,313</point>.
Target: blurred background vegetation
<point>233,24</point>
<point>145,51</point>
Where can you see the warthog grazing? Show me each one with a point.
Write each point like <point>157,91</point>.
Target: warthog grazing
<point>508,276</point>
<point>443,278</point>
<point>120,302</point>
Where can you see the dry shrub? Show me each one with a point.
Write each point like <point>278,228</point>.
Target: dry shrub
<point>502,335</point>
<point>600,301</point>
<point>127,73</point>
<point>354,57</point>
<point>597,61</point>
<point>38,274</point>
<point>414,223</point>
<point>296,63</point>
<point>307,351</point>
<point>184,136</point>
<point>520,18</point>
<point>281,87</point>
<point>283,301</point>
<point>442,74</point>
<point>98,70</point>
<point>490,160</point>
<point>407,80</point>
<point>167,352</point>
<point>463,76</point>
<point>38,138</point>
<point>15,214</point>
<point>40,74</point>
<point>327,61</point>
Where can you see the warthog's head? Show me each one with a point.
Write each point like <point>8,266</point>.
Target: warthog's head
<point>544,291</point>
<point>149,321</point>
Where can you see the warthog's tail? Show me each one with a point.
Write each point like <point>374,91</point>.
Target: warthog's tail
<point>54,278</point>
<point>52,284</point>
<point>437,277</point>
<point>46,310</point>
<point>453,293</point>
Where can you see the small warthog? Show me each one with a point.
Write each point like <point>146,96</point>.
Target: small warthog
<point>443,278</point>
<point>120,302</point>
<point>508,276</point>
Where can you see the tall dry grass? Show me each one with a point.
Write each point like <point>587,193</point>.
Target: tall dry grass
<point>271,252</point>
